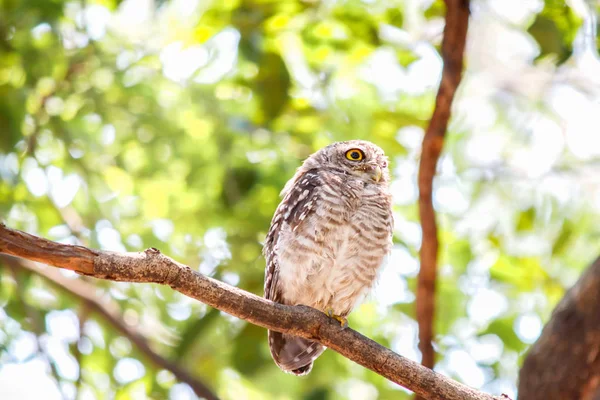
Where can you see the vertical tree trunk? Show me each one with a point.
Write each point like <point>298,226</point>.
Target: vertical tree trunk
<point>564,363</point>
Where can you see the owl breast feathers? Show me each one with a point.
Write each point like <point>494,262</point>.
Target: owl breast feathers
<point>327,240</point>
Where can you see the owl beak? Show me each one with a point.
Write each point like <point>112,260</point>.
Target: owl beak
<point>377,173</point>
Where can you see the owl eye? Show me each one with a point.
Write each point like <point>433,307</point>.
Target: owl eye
<point>355,155</point>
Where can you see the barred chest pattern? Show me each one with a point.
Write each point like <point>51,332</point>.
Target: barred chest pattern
<point>332,259</point>
<point>327,240</point>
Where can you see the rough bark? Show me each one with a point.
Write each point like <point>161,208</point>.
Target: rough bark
<point>453,46</point>
<point>564,363</point>
<point>151,266</point>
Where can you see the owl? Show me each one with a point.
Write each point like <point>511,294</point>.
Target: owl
<point>327,240</point>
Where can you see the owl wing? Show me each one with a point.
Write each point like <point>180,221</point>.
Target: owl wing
<point>291,353</point>
<point>299,199</point>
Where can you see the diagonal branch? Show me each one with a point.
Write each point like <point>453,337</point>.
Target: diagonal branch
<point>151,266</point>
<point>85,292</point>
<point>453,45</point>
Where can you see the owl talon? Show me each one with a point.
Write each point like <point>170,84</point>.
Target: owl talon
<point>342,320</point>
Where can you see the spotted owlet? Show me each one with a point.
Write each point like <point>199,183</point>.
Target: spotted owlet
<point>327,240</point>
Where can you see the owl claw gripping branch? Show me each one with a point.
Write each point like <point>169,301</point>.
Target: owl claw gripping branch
<point>327,240</point>
<point>342,320</point>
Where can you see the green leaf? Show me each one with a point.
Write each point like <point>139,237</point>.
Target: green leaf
<point>503,327</point>
<point>273,84</point>
<point>564,239</point>
<point>195,330</point>
<point>526,220</point>
<point>524,274</point>
<point>554,29</point>
<point>245,357</point>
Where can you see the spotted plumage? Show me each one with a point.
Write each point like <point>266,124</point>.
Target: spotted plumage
<point>327,240</point>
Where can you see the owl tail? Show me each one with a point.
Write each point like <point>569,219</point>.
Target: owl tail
<point>294,354</point>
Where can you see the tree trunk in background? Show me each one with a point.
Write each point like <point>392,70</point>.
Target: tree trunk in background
<point>564,363</point>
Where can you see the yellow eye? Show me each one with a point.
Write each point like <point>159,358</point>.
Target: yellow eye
<point>355,155</point>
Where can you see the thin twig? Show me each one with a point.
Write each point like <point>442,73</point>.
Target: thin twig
<point>453,44</point>
<point>85,292</point>
<point>151,266</point>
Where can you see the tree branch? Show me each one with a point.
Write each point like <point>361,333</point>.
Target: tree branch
<point>151,266</point>
<point>564,363</point>
<point>86,293</point>
<point>453,45</point>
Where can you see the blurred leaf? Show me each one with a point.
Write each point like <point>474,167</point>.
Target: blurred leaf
<point>555,28</point>
<point>526,220</point>
<point>524,274</point>
<point>246,359</point>
<point>564,238</point>
<point>273,83</point>
<point>406,57</point>
<point>437,9</point>
<point>193,331</point>
<point>503,327</point>
<point>457,253</point>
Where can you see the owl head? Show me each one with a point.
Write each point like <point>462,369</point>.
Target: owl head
<point>358,158</point>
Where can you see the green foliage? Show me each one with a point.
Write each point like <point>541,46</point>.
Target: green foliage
<point>555,28</point>
<point>177,126</point>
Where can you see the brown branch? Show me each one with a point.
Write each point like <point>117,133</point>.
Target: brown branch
<point>453,45</point>
<point>75,258</point>
<point>151,266</point>
<point>86,293</point>
<point>564,363</point>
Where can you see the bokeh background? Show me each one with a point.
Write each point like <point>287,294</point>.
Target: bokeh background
<point>175,124</point>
